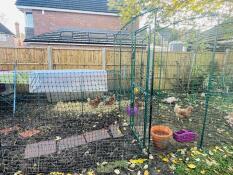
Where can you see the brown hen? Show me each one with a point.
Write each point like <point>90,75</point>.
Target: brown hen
<point>183,112</point>
<point>95,102</point>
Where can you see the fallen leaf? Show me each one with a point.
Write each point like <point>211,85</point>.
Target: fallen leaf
<point>211,153</point>
<point>145,167</point>
<point>211,162</point>
<point>56,173</point>
<point>165,159</point>
<point>57,138</point>
<point>151,157</point>
<point>18,173</point>
<point>202,171</point>
<point>146,172</point>
<point>104,163</point>
<point>137,161</point>
<point>116,171</point>
<point>90,172</point>
<point>191,166</point>
<point>132,166</point>
<point>172,167</point>
<point>174,161</point>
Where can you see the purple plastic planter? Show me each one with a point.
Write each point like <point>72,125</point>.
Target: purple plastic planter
<point>132,111</point>
<point>185,136</point>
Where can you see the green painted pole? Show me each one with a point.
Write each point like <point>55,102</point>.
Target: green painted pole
<point>209,88</point>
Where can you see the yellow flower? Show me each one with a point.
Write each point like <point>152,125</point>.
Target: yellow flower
<point>137,161</point>
<point>191,166</point>
<point>146,172</point>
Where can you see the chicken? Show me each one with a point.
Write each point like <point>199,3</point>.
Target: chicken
<point>94,103</point>
<point>183,112</point>
<point>170,100</point>
<point>110,101</point>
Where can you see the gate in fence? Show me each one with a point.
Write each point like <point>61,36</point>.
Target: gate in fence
<point>141,71</point>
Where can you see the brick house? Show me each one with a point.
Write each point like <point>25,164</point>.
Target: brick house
<point>61,17</point>
<point>7,38</point>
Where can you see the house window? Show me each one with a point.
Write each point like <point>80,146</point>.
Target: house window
<point>29,19</point>
<point>2,37</point>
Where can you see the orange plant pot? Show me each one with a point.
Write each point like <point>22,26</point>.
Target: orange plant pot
<point>161,135</point>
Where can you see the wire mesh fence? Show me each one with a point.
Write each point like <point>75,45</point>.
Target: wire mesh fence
<point>190,84</point>
<point>62,120</point>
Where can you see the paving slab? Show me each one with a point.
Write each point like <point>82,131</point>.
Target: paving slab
<point>96,135</point>
<point>71,142</point>
<point>40,149</point>
<point>47,147</point>
<point>31,151</point>
<point>115,130</point>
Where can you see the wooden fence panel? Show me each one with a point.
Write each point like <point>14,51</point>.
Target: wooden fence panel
<point>172,66</point>
<point>26,58</point>
<point>77,59</point>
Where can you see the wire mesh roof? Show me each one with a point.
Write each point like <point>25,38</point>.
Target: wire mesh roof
<point>81,36</point>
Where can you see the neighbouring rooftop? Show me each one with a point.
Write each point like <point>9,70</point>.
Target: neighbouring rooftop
<point>5,30</point>
<point>100,6</point>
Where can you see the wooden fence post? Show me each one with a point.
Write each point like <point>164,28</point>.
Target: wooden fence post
<point>50,61</point>
<point>103,58</point>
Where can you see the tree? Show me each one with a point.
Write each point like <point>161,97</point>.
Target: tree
<point>130,8</point>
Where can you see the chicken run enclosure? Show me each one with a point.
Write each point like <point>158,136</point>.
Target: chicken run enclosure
<point>175,73</point>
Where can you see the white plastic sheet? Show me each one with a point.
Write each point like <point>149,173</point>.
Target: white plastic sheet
<point>46,81</point>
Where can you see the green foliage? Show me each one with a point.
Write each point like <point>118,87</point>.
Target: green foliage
<point>130,8</point>
<point>127,8</point>
<point>218,160</point>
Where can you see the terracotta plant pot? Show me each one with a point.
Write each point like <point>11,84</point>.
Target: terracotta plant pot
<point>161,135</point>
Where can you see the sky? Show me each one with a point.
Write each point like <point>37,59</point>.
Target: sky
<point>11,15</point>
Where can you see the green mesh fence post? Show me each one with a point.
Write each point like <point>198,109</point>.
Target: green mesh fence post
<point>14,87</point>
<point>132,77</point>
<point>120,77</point>
<point>152,79</point>
<point>147,92</point>
<point>209,88</point>
<point>142,66</point>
